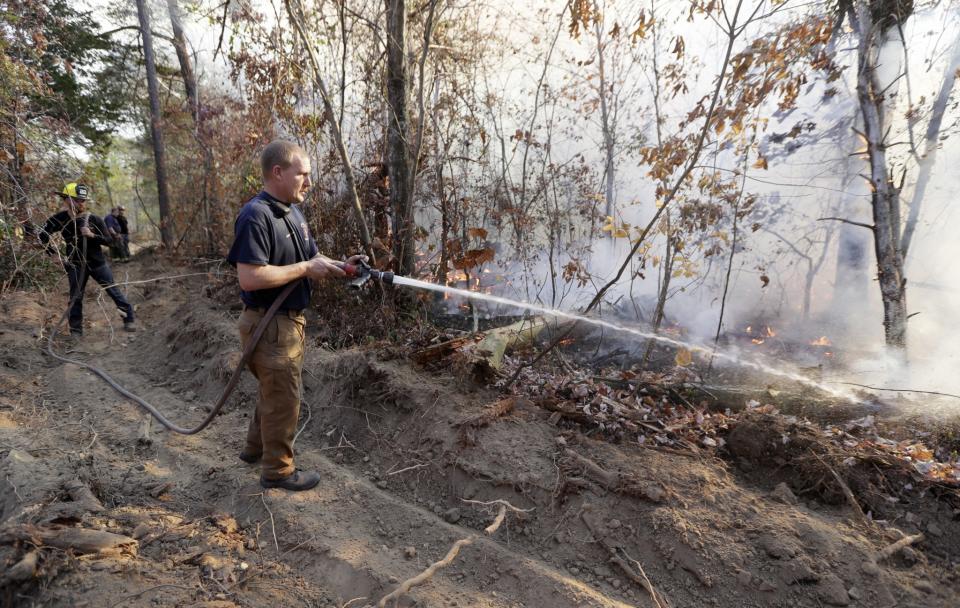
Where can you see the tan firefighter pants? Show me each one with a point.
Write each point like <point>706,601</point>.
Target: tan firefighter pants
<point>276,363</point>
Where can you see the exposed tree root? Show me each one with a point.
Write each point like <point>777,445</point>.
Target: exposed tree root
<point>618,482</point>
<point>889,550</point>
<point>82,501</point>
<point>23,570</point>
<point>427,574</point>
<point>83,496</point>
<point>639,577</point>
<point>497,410</point>
<point>80,540</point>
<point>617,555</point>
<point>847,493</point>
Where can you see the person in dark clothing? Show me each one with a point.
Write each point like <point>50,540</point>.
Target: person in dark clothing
<point>124,233</point>
<point>272,248</point>
<point>113,226</point>
<point>84,235</point>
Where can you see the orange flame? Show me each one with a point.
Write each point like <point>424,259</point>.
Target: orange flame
<point>821,341</point>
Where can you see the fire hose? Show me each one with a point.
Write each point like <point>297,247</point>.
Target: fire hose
<point>358,274</point>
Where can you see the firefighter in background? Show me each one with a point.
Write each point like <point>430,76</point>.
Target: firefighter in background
<point>84,234</point>
<point>124,233</point>
<point>113,227</point>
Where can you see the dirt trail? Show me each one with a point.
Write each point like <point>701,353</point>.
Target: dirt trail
<point>399,450</point>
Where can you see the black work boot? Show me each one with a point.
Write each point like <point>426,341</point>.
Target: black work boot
<point>129,326</point>
<point>248,458</point>
<point>299,481</point>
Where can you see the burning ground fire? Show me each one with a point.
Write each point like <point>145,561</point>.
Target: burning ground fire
<point>766,333</point>
<point>763,333</point>
<point>481,282</point>
<point>668,410</point>
<point>651,407</point>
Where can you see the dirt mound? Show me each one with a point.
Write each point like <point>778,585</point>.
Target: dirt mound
<point>683,521</point>
<point>23,326</point>
<point>872,483</point>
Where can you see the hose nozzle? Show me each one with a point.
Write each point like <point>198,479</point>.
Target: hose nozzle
<point>361,272</point>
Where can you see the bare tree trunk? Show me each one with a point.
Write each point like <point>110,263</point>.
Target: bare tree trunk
<point>813,266</point>
<point>156,129</point>
<point>444,265</point>
<point>607,126</point>
<point>398,165</point>
<point>663,293</point>
<point>13,193</point>
<point>297,21</point>
<point>885,196</point>
<point>668,255</point>
<point>186,67</point>
<point>421,112</point>
<point>193,98</point>
<point>931,144</point>
<point>733,252</point>
<point>440,154</point>
<point>852,275</point>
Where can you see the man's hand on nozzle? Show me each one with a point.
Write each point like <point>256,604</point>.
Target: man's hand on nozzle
<point>354,259</point>
<point>320,268</point>
<point>85,231</point>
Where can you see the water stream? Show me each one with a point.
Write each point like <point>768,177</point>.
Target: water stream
<point>545,310</point>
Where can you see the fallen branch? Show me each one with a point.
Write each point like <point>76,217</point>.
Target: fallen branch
<point>480,361</point>
<point>901,390</point>
<point>436,352</point>
<point>564,409</point>
<point>846,221</point>
<point>427,574</point>
<point>498,341</point>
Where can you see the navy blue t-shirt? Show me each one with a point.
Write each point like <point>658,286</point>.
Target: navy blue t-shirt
<point>267,233</point>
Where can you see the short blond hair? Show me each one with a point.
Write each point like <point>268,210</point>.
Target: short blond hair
<point>279,152</point>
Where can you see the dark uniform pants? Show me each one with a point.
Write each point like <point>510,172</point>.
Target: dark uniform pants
<point>78,275</point>
<point>116,248</point>
<point>277,363</point>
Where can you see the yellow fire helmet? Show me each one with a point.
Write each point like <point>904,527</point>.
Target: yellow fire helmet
<point>75,191</point>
